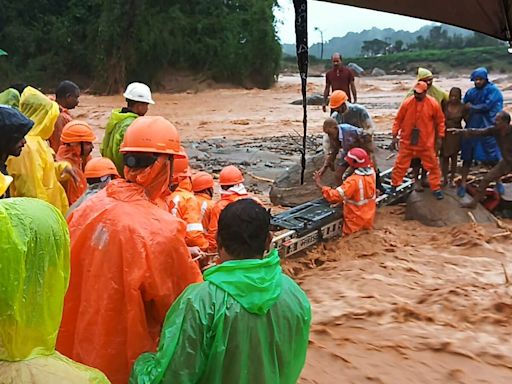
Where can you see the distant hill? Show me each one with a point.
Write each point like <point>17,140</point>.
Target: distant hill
<point>350,44</point>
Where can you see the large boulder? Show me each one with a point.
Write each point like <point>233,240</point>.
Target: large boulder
<point>356,69</point>
<point>288,191</point>
<point>315,99</point>
<point>423,207</point>
<point>378,72</point>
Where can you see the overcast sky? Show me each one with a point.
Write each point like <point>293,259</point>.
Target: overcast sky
<point>336,20</point>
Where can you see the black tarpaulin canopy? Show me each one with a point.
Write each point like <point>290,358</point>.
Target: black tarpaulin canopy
<point>491,17</point>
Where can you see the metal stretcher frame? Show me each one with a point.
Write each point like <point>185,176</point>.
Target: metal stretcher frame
<point>316,221</point>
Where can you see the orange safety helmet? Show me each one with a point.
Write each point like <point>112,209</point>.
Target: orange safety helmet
<point>98,167</point>
<point>338,98</point>
<point>202,181</point>
<point>152,134</point>
<point>181,167</point>
<point>230,175</point>
<point>358,158</point>
<point>77,131</point>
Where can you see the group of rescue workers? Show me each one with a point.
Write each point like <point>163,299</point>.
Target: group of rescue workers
<point>148,279</point>
<point>428,134</point>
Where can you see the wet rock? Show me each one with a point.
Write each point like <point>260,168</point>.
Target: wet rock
<point>315,99</point>
<point>378,72</point>
<point>197,154</point>
<point>423,207</point>
<point>356,68</point>
<point>287,190</point>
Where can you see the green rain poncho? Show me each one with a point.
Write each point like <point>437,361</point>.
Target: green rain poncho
<point>34,276</point>
<point>247,323</point>
<point>114,134</point>
<point>10,97</point>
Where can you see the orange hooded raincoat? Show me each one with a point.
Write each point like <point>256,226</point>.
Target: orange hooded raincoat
<point>185,206</point>
<point>358,195</point>
<point>206,202</point>
<point>72,154</point>
<point>227,197</point>
<point>428,117</point>
<point>129,262</point>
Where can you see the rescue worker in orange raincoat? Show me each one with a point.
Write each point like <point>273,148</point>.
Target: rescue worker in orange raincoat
<point>129,260</point>
<point>202,186</point>
<point>232,189</point>
<point>420,127</point>
<point>77,144</point>
<point>99,171</point>
<point>184,205</point>
<point>357,193</point>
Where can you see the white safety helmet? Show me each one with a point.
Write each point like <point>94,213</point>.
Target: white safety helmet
<point>138,92</point>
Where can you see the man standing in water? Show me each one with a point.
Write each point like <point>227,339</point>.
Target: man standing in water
<point>419,126</point>
<point>454,112</point>
<point>339,78</point>
<point>484,101</point>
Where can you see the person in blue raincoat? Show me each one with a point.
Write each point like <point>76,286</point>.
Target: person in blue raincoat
<point>484,101</point>
<point>247,323</point>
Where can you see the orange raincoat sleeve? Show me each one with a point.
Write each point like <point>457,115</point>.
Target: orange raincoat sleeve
<point>206,204</point>
<point>211,234</point>
<point>191,214</point>
<point>337,195</point>
<point>397,124</point>
<point>187,207</point>
<point>74,189</point>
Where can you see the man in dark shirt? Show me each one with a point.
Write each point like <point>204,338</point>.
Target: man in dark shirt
<point>13,127</point>
<point>339,78</point>
<point>502,132</point>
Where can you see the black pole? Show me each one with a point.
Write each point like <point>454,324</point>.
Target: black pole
<point>301,36</point>
<point>322,50</point>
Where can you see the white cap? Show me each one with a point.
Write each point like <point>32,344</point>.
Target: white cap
<point>138,92</point>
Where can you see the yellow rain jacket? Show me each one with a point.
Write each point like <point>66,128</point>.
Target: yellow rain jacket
<point>35,172</point>
<point>34,276</point>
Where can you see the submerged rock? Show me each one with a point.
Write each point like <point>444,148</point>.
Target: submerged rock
<point>315,99</point>
<point>378,72</point>
<point>287,190</point>
<point>423,207</point>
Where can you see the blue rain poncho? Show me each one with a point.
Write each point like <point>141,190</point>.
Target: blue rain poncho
<point>485,102</point>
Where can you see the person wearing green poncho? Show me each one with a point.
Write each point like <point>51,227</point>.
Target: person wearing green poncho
<point>34,277</point>
<point>11,96</point>
<point>247,323</point>
<point>138,97</point>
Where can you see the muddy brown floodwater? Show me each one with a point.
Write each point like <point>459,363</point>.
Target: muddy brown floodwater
<point>404,303</point>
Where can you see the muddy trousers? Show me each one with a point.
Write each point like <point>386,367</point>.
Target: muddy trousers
<point>500,169</point>
<point>428,159</point>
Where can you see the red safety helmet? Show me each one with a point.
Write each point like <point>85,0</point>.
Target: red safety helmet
<point>358,158</point>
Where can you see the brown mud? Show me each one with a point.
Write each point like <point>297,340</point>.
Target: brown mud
<point>404,303</point>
